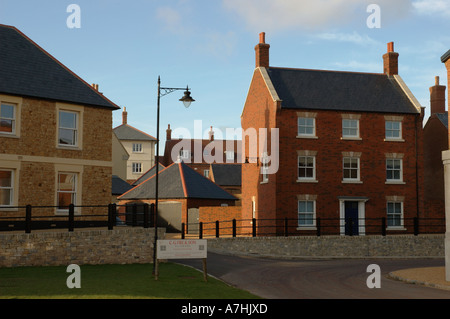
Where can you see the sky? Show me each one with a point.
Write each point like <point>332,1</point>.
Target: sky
<point>208,45</point>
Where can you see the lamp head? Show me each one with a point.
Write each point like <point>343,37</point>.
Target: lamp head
<point>187,99</point>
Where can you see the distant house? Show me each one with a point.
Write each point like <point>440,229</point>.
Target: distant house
<point>200,153</point>
<point>55,133</point>
<point>435,137</point>
<point>350,149</point>
<point>181,191</point>
<point>139,145</point>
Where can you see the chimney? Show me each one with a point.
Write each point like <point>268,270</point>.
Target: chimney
<point>262,51</point>
<point>211,134</point>
<point>124,115</point>
<point>168,133</point>
<point>390,60</point>
<point>437,97</point>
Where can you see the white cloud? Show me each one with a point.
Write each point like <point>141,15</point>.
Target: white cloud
<point>432,7</point>
<point>275,15</point>
<point>171,19</point>
<point>354,37</point>
<point>359,66</point>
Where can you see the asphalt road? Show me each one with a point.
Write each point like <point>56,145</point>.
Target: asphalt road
<point>318,279</point>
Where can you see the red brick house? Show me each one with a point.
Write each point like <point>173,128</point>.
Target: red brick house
<point>350,146</point>
<point>435,137</point>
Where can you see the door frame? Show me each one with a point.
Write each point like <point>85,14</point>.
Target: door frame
<point>361,213</point>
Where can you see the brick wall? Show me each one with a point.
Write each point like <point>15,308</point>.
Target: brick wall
<point>224,214</point>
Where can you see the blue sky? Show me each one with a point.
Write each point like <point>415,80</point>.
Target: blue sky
<point>209,45</point>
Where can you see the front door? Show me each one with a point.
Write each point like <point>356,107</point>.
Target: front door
<point>351,218</point>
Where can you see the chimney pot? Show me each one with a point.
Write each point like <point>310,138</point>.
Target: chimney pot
<point>390,47</point>
<point>436,80</point>
<point>262,37</point>
<point>390,60</point>
<point>211,134</point>
<point>262,52</point>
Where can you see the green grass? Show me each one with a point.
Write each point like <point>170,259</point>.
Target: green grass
<point>115,281</point>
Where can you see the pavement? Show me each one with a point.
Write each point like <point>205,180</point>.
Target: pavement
<point>430,276</point>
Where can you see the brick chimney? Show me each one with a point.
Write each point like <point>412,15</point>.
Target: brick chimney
<point>168,133</point>
<point>262,51</point>
<point>437,97</point>
<point>211,134</point>
<point>390,60</point>
<point>124,115</point>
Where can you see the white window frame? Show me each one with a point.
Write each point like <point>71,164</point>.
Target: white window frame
<point>206,173</point>
<point>264,168</point>
<point>10,188</point>
<point>136,167</point>
<point>358,169</point>
<point>229,156</point>
<point>185,154</point>
<point>76,129</point>
<point>74,192</point>
<point>400,214</point>
<point>313,212</point>
<point>137,148</point>
<point>306,178</point>
<point>399,130</point>
<point>12,119</point>
<point>400,170</point>
<point>305,126</point>
<point>345,126</point>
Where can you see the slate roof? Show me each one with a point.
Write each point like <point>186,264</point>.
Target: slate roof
<point>178,181</point>
<point>28,70</point>
<point>227,174</point>
<point>443,117</point>
<point>445,56</point>
<point>127,132</point>
<point>119,186</point>
<point>148,174</point>
<point>339,90</point>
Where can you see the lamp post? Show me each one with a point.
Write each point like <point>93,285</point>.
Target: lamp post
<point>187,100</point>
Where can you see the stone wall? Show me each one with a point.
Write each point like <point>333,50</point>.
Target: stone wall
<point>395,246</point>
<point>101,246</point>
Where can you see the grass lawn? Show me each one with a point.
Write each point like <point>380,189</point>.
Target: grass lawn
<point>115,281</point>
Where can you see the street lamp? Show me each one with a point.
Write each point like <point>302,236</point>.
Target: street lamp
<point>187,100</point>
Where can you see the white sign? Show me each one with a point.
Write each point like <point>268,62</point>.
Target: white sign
<point>181,248</point>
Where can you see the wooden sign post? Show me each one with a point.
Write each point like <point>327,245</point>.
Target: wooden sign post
<point>182,249</point>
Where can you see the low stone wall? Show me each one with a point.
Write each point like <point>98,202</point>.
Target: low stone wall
<point>122,245</point>
<point>395,246</point>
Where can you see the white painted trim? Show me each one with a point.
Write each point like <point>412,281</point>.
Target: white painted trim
<point>54,160</point>
<point>269,84</point>
<point>361,215</point>
<point>408,92</point>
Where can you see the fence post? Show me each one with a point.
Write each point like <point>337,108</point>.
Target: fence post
<point>318,226</point>
<point>416,226</point>
<point>183,226</point>
<point>383,226</point>
<point>286,227</point>
<point>71,216</point>
<point>145,215</point>
<point>200,230</point>
<point>28,219</point>
<point>254,227</point>
<point>217,229</point>
<point>234,227</point>
<point>110,217</point>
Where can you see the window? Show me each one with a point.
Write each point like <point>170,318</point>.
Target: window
<point>350,128</point>
<point>6,187</point>
<point>306,167</point>
<point>395,214</point>
<point>265,167</point>
<point>306,212</point>
<point>229,155</point>
<point>137,147</point>
<point>7,118</point>
<point>206,173</point>
<point>185,154</point>
<point>393,130</point>
<point>66,191</point>
<point>68,128</point>
<point>306,126</point>
<point>136,167</point>
<point>394,170</point>
<point>351,168</point>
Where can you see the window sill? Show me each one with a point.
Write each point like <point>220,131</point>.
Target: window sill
<point>8,209</point>
<point>306,228</point>
<point>307,136</point>
<point>395,228</point>
<point>348,138</point>
<point>307,181</point>
<point>10,135</point>
<point>395,183</point>
<point>68,147</point>
<point>394,140</point>
<point>264,182</point>
<point>351,182</point>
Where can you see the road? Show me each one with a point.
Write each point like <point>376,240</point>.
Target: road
<point>318,279</point>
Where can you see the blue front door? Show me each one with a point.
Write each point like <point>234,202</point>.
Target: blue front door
<point>351,218</point>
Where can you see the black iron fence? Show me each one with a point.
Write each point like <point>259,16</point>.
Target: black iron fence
<point>322,226</point>
<point>28,218</point>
